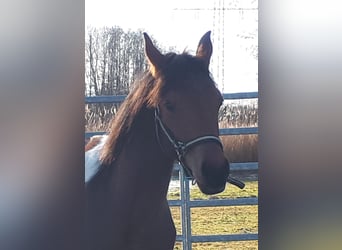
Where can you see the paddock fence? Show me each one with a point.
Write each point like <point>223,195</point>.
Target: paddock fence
<point>185,203</point>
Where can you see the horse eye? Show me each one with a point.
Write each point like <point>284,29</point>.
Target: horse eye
<point>169,106</point>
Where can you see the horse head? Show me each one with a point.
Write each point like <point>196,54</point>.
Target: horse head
<point>186,102</point>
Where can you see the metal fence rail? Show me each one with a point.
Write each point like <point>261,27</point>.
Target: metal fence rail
<point>185,203</point>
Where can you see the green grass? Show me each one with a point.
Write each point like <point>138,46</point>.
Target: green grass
<point>221,220</point>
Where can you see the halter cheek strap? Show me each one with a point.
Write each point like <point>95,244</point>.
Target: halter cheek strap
<point>181,148</point>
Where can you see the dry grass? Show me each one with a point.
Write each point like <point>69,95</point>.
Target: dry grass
<point>221,220</point>
<point>241,148</point>
<point>235,114</point>
<point>233,245</point>
<point>237,148</point>
<point>98,116</point>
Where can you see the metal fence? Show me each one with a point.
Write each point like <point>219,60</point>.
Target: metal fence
<point>185,203</point>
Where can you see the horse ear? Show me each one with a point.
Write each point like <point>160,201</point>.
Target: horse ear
<point>154,57</point>
<point>205,48</point>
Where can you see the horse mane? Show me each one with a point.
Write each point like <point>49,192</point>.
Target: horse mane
<point>146,94</point>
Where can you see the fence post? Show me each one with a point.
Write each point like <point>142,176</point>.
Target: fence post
<point>186,212</point>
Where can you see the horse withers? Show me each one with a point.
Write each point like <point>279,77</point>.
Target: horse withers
<point>171,114</point>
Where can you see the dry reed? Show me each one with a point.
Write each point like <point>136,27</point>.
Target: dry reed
<point>237,148</point>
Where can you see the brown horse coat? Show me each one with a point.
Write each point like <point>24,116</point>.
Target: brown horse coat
<point>126,200</point>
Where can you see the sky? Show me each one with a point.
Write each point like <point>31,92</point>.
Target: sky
<point>171,23</point>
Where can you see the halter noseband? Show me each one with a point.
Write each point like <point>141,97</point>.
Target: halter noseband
<point>181,148</point>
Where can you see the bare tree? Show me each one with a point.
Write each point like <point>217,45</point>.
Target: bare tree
<point>114,58</point>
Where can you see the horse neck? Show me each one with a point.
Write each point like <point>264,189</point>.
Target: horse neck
<point>142,159</point>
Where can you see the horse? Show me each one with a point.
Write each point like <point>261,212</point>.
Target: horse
<point>170,115</point>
